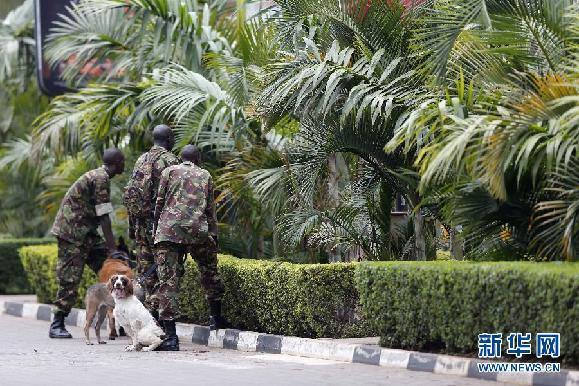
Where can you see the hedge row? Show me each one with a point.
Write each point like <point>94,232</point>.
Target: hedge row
<point>442,306</point>
<point>39,262</point>
<point>433,306</point>
<point>272,297</point>
<point>12,277</point>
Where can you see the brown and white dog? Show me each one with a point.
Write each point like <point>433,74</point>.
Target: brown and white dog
<point>130,313</point>
<point>99,302</point>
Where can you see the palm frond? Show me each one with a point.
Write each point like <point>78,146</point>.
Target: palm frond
<point>89,120</point>
<point>335,82</point>
<point>133,36</point>
<point>15,153</point>
<point>58,183</point>
<point>556,221</point>
<point>482,36</point>
<point>17,45</point>
<point>195,104</point>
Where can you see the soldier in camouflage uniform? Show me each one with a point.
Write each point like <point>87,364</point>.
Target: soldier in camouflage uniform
<point>147,173</point>
<point>85,206</point>
<point>186,223</point>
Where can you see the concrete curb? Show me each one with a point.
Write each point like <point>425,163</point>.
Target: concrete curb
<point>321,349</point>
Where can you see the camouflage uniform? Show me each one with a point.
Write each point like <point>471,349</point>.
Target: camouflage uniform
<point>186,223</point>
<point>158,158</point>
<point>75,227</point>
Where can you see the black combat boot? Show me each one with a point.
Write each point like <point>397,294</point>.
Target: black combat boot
<point>171,342</point>
<point>57,329</point>
<point>216,321</point>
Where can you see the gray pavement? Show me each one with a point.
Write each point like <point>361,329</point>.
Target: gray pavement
<point>29,357</point>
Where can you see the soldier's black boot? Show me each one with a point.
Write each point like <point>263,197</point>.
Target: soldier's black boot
<point>57,329</point>
<point>171,342</point>
<point>216,321</point>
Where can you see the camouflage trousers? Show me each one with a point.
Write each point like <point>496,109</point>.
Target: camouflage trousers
<point>145,259</point>
<point>170,258</point>
<point>72,258</point>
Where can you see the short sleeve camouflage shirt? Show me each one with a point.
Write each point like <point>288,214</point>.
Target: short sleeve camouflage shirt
<point>185,209</point>
<point>87,199</point>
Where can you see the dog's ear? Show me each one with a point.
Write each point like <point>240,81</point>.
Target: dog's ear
<point>110,283</point>
<point>122,246</point>
<point>130,290</point>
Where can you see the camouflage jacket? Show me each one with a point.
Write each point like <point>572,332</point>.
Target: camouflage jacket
<point>161,158</point>
<point>87,199</point>
<point>185,210</point>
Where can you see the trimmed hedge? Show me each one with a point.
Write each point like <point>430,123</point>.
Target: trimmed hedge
<point>39,262</point>
<point>272,297</point>
<point>435,306</point>
<point>12,276</point>
<point>442,306</point>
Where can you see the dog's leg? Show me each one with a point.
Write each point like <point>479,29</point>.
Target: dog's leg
<point>153,345</point>
<point>101,318</point>
<point>91,309</point>
<point>133,335</point>
<point>112,325</point>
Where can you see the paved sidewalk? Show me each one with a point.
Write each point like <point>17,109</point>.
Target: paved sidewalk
<point>29,358</point>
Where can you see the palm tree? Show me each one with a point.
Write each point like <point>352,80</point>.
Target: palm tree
<point>345,72</point>
<point>506,124</point>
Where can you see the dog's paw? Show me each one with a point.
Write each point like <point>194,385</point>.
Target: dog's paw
<point>89,343</point>
<point>102,342</point>
<point>130,348</point>
<point>112,337</point>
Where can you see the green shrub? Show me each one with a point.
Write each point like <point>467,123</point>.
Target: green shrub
<point>12,277</point>
<point>311,300</point>
<point>39,262</point>
<point>444,305</point>
<point>282,298</point>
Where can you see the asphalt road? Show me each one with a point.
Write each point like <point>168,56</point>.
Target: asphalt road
<point>29,357</point>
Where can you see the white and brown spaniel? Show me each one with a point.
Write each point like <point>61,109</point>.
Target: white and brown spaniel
<point>133,316</point>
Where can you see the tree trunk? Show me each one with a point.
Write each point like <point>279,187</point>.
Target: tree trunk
<point>275,242</point>
<point>333,179</point>
<point>260,246</point>
<point>456,244</point>
<point>333,197</point>
<point>420,236</point>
